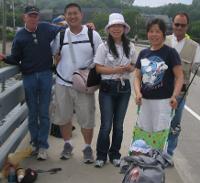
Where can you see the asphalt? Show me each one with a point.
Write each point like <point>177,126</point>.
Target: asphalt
<point>74,170</point>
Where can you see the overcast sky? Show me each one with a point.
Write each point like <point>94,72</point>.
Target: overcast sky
<point>154,3</point>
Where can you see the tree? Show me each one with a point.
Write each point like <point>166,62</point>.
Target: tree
<point>136,22</point>
<point>194,30</point>
<point>100,20</point>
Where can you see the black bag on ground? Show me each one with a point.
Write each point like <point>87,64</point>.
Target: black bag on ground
<point>30,176</point>
<point>55,131</point>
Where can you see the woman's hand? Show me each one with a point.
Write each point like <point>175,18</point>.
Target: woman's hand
<point>129,68</point>
<point>138,99</point>
<point>91,25</point>
<point>2,57</point>
<point>119,70</point>
<point>173,102</point>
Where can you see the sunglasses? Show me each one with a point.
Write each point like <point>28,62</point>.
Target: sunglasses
<point>180,25</point>
<point>35,40</point>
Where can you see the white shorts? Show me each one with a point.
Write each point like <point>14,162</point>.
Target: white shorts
<point>67,100</point>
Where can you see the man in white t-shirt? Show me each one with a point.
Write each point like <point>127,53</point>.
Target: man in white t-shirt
<point>66,97</point>
<point>189,52</point>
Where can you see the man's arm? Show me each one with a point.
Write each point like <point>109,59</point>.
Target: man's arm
<point>2,57</point>
<point>16,54</point>
<point>179,79</point>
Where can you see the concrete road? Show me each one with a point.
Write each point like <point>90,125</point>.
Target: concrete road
<point>75,171</point>
<point>187,155</point>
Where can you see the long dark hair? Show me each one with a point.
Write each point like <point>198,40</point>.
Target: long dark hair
<point>125,44</point>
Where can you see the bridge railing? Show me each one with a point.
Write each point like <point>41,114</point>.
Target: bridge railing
<point>13,114</point>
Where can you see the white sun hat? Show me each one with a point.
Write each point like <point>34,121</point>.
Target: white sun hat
<point>117,18</point>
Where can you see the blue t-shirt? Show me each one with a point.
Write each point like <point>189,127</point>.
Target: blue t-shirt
<point>157,72</point>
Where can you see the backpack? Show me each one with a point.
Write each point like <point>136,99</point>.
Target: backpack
<point>90,36</point>
<point>143,169</point>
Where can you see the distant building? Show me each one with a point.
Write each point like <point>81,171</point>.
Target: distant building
<point>127,2</point>
<point>165,18</point>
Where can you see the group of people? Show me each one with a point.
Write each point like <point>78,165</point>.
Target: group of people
<point>161,75</point>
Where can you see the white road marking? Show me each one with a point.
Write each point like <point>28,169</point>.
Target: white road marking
<point>192,112</point>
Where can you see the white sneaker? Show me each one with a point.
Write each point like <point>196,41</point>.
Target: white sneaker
<point>42,154</point>
<point>99,163</point>
<point>116,162</point>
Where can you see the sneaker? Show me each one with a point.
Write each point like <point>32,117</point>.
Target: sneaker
<point>116,162</point>
<point>67,151</point>
<point>88,157</point>
<point>42,154</point>
<point>34,150</point>
<point>99,163</point>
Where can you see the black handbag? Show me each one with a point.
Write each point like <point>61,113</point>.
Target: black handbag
<point>94,78</point>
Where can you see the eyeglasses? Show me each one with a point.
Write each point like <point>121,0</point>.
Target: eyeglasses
<point>35,40</point>
<point>180,25</point>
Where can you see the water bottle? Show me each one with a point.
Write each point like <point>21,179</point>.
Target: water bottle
<point>12,175</point>
<point>20,174</point>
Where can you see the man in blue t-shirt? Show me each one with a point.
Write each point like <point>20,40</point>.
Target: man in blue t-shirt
<point>31,51</point>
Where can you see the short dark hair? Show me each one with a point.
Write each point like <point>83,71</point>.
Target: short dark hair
<point>182,14</point>
<point>159,22</point>
<point>72,5</point>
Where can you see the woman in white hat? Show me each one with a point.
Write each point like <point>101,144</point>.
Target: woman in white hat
<point>114,61</point>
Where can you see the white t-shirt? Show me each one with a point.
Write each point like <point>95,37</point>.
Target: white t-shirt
<point>178,45</point>
<point>103,57</point>
<point>83,53</point>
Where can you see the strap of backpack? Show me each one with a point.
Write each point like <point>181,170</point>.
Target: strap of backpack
<point>62,34</point>
<point>90,36</point>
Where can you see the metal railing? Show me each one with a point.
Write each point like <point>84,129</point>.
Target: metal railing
<point>14,125</point>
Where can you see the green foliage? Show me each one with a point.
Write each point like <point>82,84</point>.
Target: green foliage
<point>9,34</point>
<point>195,30</point>
<point>136,22</point>
<point>100,19</point>
<point>131,14</point>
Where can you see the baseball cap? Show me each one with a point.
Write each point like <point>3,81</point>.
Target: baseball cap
<point>59,20</point>
<point>31,10</point>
